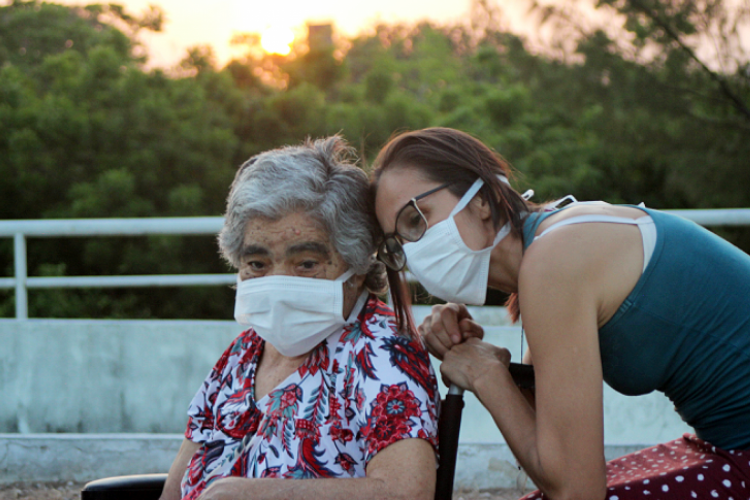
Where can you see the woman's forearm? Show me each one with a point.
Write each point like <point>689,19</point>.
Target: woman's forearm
<point>514,416</point>
<point>402,470</point>
<point>517,421</point>
<point>237,488</point>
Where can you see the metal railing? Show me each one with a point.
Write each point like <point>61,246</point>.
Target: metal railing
<point>20,230</point>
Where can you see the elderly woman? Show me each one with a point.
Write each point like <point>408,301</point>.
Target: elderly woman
<point>322,385</point>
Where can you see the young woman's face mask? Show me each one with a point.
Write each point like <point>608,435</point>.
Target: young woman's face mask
<point>445,265</point>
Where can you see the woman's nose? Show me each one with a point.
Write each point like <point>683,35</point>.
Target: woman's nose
<point>277,270</point>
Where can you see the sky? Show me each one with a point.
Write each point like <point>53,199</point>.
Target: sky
<point>203,22</point>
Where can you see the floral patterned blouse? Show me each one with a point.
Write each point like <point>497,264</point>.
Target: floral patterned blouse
<point>359,391</point>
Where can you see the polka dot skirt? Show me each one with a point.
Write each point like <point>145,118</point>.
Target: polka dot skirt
<point>683,469</point>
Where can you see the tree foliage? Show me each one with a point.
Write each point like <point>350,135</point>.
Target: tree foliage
<point>86,131</point>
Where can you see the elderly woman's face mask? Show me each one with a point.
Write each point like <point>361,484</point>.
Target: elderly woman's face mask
<point>291,284</point>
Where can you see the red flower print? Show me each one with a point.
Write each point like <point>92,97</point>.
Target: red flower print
<point>339,434</point>
<point>391,411</point>
<point>288,399</point>
<point>396,401</point>
<point>345,461</point>
<point>335,412</point>
<point>237,414</point>
<point>305,429</point>
<point>317,360</point>
<point>386,432</point>
<point>271,472</point>
<point>283,402</point>
<point>334,406</point>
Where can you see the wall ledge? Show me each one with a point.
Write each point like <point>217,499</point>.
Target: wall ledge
<point>85,457</point>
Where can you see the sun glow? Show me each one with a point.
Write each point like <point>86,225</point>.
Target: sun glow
<point>277,40</point>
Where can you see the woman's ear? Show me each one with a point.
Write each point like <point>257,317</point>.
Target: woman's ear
<point>480,206</point>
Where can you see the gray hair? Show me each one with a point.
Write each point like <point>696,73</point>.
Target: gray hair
<point>319,178</point>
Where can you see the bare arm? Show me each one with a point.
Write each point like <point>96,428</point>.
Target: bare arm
<point>560,442</point>
<point>177,470</point>
<point>563,448</point>
<point>403,470</point>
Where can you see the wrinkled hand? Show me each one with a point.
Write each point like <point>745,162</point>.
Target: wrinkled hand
<point>466,363</point>
<point>448,325</point>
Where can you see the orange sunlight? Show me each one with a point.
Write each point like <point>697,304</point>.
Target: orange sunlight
<point>277,40</point>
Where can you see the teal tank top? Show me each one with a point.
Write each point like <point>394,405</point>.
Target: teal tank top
<point>684,330</point>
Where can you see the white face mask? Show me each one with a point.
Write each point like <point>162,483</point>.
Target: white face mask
<point>292,313</point>
<point>445,266</point>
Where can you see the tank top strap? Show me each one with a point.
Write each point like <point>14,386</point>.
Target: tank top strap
<point>596,218</point>
<point>645,225</point>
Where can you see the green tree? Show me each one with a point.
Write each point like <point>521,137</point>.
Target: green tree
<point>680,88</point>
<point>87,131</point>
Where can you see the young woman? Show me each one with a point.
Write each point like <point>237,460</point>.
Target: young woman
<point>635,297</point>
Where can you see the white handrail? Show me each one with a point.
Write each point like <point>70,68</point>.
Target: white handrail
<point>111,227</point>
<point>716,216</point>
<point>19,230</point>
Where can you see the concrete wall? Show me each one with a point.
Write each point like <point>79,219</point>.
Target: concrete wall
<point>104,376</point>
<point>85,376</point>
<point>82,399</point>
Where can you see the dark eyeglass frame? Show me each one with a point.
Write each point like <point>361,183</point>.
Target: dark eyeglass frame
<point>390,251</point>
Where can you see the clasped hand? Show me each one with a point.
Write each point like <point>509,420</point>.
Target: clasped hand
<point>452,335</point>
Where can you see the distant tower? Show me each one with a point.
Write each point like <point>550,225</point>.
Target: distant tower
<point>319,37</point>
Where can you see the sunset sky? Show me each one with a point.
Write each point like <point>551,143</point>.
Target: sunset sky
<point>193,22</point>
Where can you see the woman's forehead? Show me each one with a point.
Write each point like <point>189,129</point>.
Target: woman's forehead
<point>396,187</point>
<point>293,229</point>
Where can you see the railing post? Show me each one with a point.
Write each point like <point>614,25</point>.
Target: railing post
<point>19,258</point>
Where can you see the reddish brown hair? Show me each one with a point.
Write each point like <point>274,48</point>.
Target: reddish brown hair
<point>449,156</point>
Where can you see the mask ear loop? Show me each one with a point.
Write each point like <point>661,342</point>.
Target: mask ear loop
<point>473,190</point>
<point>345,275</point>
<point>467,197</point>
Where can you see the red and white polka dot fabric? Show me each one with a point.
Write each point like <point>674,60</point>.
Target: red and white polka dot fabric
<point>683,469</point>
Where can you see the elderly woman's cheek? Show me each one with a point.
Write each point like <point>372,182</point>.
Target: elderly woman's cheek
<point>243,273</point>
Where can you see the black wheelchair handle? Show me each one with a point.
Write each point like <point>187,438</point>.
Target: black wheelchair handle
<point>523,375</point>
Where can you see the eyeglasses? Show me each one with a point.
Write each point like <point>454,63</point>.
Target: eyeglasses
<point>411,224</point>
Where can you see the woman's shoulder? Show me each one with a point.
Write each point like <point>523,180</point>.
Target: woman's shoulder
<point>589,260</point>
<point>246,341</point>
<point>378,318</point>
<point>585,227</point>
<point>245,345</point>
<point>375,329</point>
<point>376,321</point>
